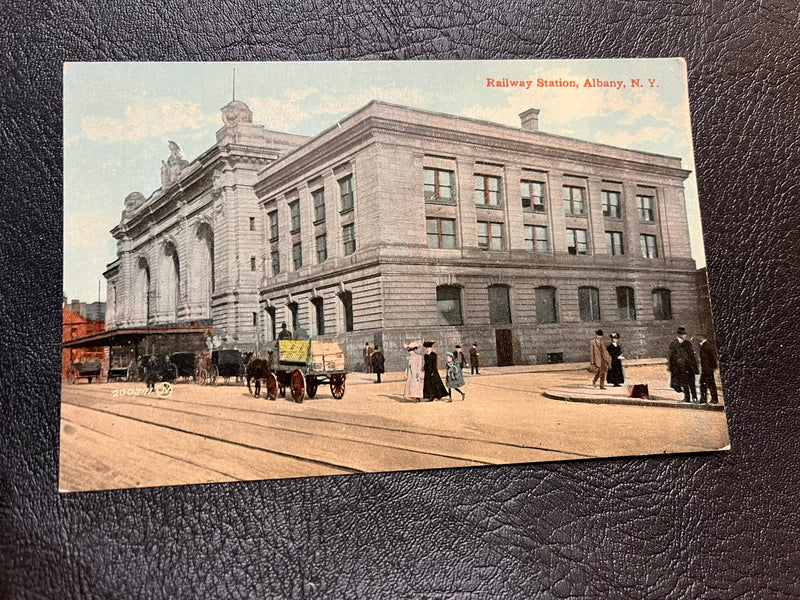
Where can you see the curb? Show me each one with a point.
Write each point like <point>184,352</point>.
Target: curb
<point>566,395</point>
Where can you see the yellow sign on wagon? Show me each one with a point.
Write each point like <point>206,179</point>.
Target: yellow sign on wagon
<point>293,351</point>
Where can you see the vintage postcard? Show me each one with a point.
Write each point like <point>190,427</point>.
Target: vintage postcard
<point>277,270</point>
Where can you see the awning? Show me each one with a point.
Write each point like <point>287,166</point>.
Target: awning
<point>131,335</point>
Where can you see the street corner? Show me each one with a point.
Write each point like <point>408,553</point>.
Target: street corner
<point>661,397</point>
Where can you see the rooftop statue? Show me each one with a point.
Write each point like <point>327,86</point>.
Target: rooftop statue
<point>133,202</point>
<point>172,167</point>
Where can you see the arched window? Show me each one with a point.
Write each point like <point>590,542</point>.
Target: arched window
<point>170,280</point>
<point>499,305</point>
<point>271,324</point>
<point>319,315</point>
<point>294,316</point>
<point>546,309</point>
<point>202,268</point>
<point>448,305</point>
<point>589,303</point>
<point>662,304</point>
<point>142,294</point>
<point>626,306</point>
<point>345,312</point>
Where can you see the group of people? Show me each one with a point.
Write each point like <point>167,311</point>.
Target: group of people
<point>422,379</point>
<point>682,363</point>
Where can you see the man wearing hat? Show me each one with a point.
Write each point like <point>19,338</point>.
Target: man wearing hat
<point>284,333</point>
<point>600,359</point>
<point>459,357</point>
<point>682,364</point>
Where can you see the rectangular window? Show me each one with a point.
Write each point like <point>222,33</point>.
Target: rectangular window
<point>346,193</point>
<point>349,239</point>
<point>536,239</point>
<point>573,201</point>
<point>273,225</point>
<point>490,236</point>
<point>662,305</point>
<point>614,243</point>
<point>319,315</point>
<point>576,241</point>
<point>646,207</point>
<point>589,303</point>
<point>546,305</point>
<point>255,319</point>
<point>612,205</point>
<point>448,305</point>
<point>533,196</point>
<point>499,305</point>
<point>322,248</point>
<point>297,255</point>
<point>440,186</point>
<point>487,191</point>
<point>252,263</point>
<point>252,223</point>
<point>441,233</point>
<point>294,212</point>
<point>275,260</point>
<point>319,204</point>
<point>649,246</point>
<point>625,304</point>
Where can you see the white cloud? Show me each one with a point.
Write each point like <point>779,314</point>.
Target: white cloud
<point>280,115</point>
<point>297,94</point>
<point>147,118</point>
<point>346,104</point>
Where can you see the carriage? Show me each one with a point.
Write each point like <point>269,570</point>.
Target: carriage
<point>157,367</point>
<point>186,364</point>
<point>303,365</point>
<point>222,364</point>
<point>85,369</point>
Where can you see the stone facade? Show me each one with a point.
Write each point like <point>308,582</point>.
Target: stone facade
<point>185,253</point>
<point>421,180</point>
<point>399,224</point>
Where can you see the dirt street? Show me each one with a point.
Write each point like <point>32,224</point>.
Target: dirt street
<point>114,436</point>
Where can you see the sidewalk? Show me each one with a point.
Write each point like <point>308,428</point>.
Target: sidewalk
<point>359,377</point>
<point>665,397</point>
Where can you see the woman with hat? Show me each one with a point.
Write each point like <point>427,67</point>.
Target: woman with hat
<point>433,388</point>
<point>455,377</point>
<point>414,375</point>
<point>615,376</point>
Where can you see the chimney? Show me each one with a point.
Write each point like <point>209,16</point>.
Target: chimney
<point>530,119</point>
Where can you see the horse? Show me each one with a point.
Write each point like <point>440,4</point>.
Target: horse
<point>256,370</point>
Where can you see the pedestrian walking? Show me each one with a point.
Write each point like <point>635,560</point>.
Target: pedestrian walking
<point>708,364</point>
<point>616,375</point>
<point>682,364</point>
<point>414,374</point>
<point>458,356</point>
<point>454,377</point>
<point>474,360</point>
<point>367,358</point>
<point>600,359</point>
<point>377,362</point>
<point>433,388</point>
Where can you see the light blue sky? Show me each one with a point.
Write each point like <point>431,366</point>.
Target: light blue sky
<point>118,118</point>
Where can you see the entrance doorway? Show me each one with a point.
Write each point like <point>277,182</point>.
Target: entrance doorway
<point>505,347</point>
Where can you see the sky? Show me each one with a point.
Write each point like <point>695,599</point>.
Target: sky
<point>119,117</point>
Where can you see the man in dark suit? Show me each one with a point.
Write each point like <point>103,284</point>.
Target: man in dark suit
<point>682,364</point>
<point>708,364</point>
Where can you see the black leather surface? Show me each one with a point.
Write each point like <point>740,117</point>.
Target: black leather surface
<point>705,526</point>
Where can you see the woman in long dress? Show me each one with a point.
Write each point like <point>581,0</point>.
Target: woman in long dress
<point>414,376</point>
<point>615,376</point>
<point>433,388</point>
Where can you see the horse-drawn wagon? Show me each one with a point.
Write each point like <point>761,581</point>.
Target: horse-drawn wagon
<point>85,369</point>
<point>223,364</point>
<point>304,365</point>
<point>157,368</point>
<point>186,364</point>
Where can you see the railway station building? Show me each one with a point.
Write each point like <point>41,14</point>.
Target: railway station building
<point>399,224</point>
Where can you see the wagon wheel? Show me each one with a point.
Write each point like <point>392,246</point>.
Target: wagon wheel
<point>337,385</point>
<point>213,374</point>
<point>311,385</point>
<point>298,386</point>
<point>272,386</point>
<point>202,376</point>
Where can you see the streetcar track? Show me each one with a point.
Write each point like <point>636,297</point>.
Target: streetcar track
<point>356,425</point>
